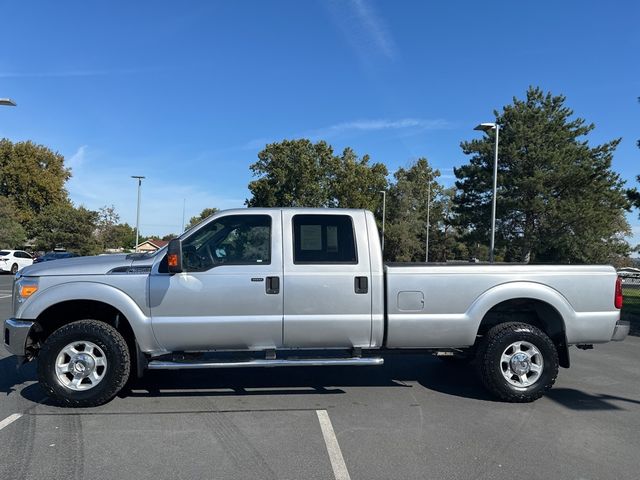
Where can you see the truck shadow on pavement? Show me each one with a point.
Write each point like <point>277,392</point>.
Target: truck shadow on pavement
<point>397,372</point>
<point>11,376</point>
<point>577,400</point>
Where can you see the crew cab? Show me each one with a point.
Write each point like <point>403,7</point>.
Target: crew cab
<point>283,287</point>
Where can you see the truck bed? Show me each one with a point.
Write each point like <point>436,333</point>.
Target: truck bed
<point>442,305</point>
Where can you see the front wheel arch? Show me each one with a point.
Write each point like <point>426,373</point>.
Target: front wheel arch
<point>64,313</point>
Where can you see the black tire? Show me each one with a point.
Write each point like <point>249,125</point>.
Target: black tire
<point>116,372</point>
<point>14,269</point>
<point>490,351</point>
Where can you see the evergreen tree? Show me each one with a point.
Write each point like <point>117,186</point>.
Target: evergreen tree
<point>558,198</point>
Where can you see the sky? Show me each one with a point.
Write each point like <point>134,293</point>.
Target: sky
<point>187,93</point>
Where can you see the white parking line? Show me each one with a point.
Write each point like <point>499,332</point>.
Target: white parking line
<point>5,296</point>
<point>9,420</point>
<point>333,448</point>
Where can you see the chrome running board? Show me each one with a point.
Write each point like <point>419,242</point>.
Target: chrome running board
<point>302,362</point>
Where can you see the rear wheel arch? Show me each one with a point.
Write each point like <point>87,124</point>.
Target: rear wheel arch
<point>532,311</point>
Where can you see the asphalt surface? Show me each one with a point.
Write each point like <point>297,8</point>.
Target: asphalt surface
<point>413,418</point>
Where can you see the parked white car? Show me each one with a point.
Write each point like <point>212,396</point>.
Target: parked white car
<point>14,260</point>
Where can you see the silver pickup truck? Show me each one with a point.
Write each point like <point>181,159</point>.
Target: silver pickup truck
<point>286,287</point>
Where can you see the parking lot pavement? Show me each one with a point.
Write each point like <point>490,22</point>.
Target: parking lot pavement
<point>414,417</point>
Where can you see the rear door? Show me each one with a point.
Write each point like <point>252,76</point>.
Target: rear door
<point>327,299</point>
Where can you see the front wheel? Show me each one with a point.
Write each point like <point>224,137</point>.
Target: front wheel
<point>14,269</point>
<point>84,364</point>
<point>518,362</point>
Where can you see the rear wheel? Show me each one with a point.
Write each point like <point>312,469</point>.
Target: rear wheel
<point>84,364</point>
<point>518,362</point>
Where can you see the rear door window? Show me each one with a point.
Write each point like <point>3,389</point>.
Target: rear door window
<point>324,239</point>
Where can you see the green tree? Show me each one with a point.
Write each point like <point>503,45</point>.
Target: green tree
<point>107,217</point>
<point>206,213</point>
<point>558,198</point>
<point>292,173</point>
<point>406,224</point>
<point>32,176</point>
<point>110,233</point>
<point>121,235</point>
<point>445,241</point>
<point>299,173</point>
<point>62,225</point>
<point>12,234</point>
<point>355,183</point>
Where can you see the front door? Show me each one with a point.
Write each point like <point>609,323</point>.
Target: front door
<point>327,301</point>
<point>229,295</point>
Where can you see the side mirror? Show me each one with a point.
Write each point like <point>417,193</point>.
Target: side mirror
<point>174,256</point>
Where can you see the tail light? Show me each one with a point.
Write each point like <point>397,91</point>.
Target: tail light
<point>617,299</point>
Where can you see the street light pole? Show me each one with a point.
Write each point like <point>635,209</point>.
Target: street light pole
<point>384,214</point>
<point>486,127</point>
<point>7,102</point>
<point>426,249</point>
<point>139,178</point>
<point>495,196</point>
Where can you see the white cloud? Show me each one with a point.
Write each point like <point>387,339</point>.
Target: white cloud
<point>77,159</point>
<point>415,124</point>
<point>374,26</point>
<point>364,29</point>
<point>409,126</point>
<point>96,183</point>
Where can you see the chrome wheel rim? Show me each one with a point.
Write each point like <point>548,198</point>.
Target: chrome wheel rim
<point>81,366</point>
<point>521,364</point>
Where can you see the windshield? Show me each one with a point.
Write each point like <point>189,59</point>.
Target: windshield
<point>4,253</point>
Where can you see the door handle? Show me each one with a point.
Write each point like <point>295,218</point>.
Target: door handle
<point>273,285</point>
<point>361,284</point>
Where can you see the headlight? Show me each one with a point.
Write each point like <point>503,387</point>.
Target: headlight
<point>23,288</point>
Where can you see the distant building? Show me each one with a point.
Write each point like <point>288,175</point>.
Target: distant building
<point>151,245</point>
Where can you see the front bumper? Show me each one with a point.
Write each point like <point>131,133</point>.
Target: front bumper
<point>621,331</point>
<point>16,333</point>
